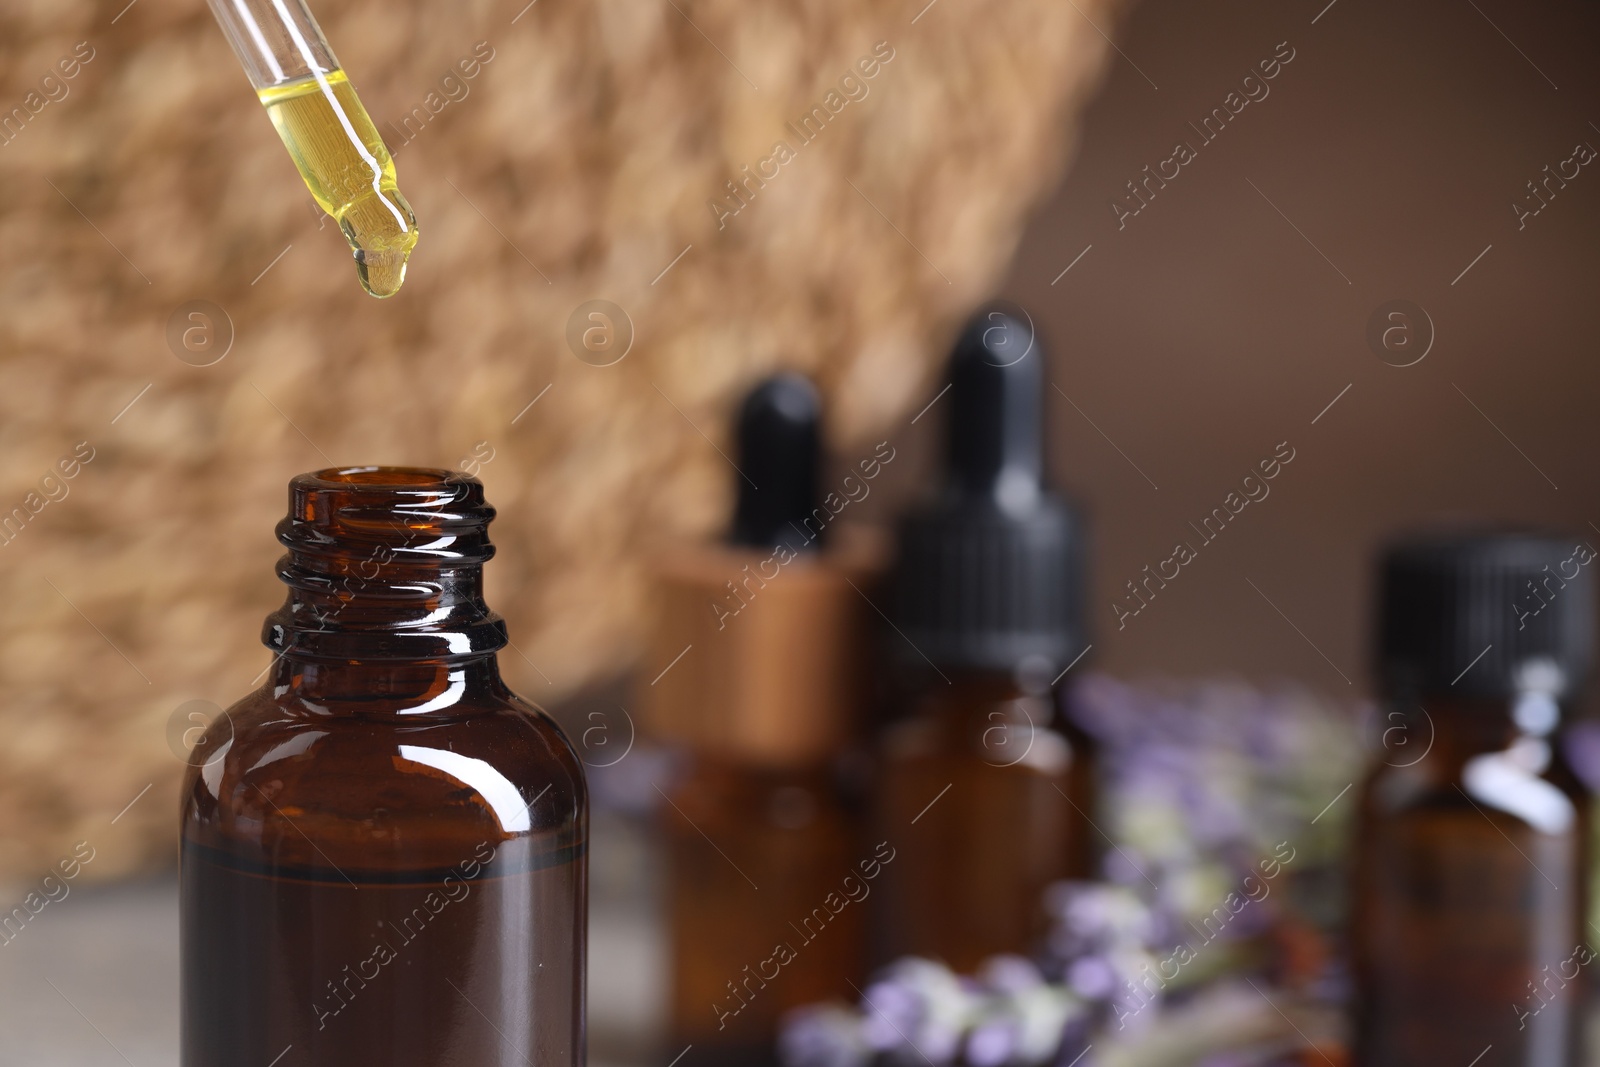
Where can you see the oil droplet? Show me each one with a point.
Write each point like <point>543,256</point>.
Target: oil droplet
<point>349,172</point>
<point>380,245</point>
<point>381,273</point>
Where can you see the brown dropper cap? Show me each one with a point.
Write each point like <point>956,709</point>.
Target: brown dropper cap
<point>759,649</point>
<point>756,660</point>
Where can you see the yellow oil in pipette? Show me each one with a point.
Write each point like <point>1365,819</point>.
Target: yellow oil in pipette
<point>349,171</point>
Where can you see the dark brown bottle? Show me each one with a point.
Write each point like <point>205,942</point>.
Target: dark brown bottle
<point>765,908</point>
<point>1468,937</point>
<point>985,792</point>
<point>759,648</point>
<point>985,800</point>
<point>383,855</point>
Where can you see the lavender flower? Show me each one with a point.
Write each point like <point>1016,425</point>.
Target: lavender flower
<point>1201,783</point>
<point>1022,1017</point>
<point>824,1035</point>
<point>1202,780</point>
<point>917,1011</point>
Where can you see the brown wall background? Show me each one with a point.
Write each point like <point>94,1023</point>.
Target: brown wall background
<point>1209,329</point>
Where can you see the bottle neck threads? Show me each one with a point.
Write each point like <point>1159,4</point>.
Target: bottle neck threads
<point>385,564</point>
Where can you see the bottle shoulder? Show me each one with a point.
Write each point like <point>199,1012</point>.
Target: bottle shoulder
<point>1527,786</point>
<point>331,786</point>
<point>1015,734</point>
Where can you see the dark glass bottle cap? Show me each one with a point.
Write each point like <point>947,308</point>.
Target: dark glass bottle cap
<point>780,442</point>
<point>990,574</point>
<point>1486,614</point>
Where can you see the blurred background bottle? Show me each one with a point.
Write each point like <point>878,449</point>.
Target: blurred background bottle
<point>760,645</point>
<point>1468,938</point>
<point>985,789</point>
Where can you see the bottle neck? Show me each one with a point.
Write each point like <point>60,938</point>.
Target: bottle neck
<point>384,571</point>
<point>974,701</point>
<point>964,686</point>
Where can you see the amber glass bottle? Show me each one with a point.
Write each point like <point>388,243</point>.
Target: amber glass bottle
<point>759,919</point>
<point>1469,938</point>
<point>383,862</point>
<point>756,677</point>
<point>985,790</point>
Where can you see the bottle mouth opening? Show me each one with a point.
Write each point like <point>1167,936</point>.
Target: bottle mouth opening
<point>343,493</point>
<point>338,510</point>
<point>393,478</point>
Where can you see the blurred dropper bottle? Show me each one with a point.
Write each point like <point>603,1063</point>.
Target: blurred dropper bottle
<point>327,131</point>
<point>759,646</point>
<point>985,789</point>
<point>1468,931</point>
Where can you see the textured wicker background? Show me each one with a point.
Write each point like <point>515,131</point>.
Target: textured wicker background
<point>578,165</point>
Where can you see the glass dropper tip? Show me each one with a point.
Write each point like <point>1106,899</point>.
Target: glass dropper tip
<point>382,231</point>
<point>331,138</point>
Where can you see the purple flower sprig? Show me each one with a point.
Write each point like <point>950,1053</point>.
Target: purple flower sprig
<point>918,1011</point>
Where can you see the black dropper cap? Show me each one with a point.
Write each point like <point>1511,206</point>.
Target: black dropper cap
<point>990,575</point>
<point>1484,615</point>
<point>780,441</point>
